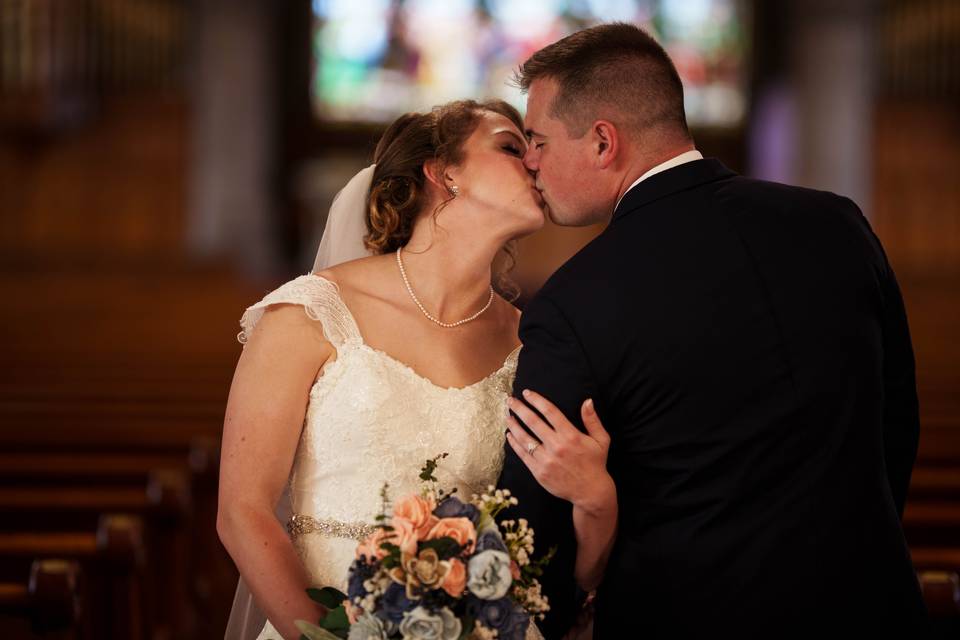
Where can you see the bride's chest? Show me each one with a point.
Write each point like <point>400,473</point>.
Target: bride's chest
<point>368,404</point>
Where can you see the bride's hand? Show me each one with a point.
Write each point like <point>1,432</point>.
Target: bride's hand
<point>568,463</point>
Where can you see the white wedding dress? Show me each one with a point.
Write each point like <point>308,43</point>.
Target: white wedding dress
<point>372,420</point>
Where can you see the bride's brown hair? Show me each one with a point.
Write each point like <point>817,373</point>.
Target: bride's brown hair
<point>398,192</point>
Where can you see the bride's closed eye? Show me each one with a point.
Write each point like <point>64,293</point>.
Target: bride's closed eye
<point>512,148</point>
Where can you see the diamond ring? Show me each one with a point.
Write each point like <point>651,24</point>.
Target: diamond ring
<point>532,447</point>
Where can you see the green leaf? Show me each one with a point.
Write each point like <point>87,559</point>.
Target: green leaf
<point>335,620</point>
<point>313,632</point>
<point>535,568</point>
<point>486,521</point>
<point>328,596</point>
<point>426,473</point>
<point>468,625</point>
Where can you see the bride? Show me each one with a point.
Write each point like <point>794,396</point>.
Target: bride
<point>394,349</point>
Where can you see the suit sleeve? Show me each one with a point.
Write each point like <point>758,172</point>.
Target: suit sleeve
<point>552,362</point>
<point>901,412</point>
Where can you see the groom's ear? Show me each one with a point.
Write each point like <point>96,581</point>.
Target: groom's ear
<point>606,143</point>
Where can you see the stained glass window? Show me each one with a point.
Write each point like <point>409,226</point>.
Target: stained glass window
<point>374,59</point>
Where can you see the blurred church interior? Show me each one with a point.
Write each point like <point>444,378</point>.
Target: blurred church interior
<point>164,163</point>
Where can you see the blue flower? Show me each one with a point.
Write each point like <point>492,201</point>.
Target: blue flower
<point>452,507</point>
<point>490,539</point>
<point>509,620</point>
<point>359,572</point>
<point>394,602</point>
<point>489,575</point>
<point>367,627</point>
<point>421,624</point>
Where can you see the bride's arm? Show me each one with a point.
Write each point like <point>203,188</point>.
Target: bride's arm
<point>571,465</point>
<point>264,417</point>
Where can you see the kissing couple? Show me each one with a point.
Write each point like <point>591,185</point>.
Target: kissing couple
<point>710,411</point>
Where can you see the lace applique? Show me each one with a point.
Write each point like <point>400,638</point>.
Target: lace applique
<point>321,301</point>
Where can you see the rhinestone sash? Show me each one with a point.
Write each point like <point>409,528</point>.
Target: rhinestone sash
<point>299,525</point>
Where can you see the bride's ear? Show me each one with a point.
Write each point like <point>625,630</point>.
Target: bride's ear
<point>437,176</point>
<point>432,171</point>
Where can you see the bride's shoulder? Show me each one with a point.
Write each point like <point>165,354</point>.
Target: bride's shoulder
<point>356,275</point>
<point>356,271</point>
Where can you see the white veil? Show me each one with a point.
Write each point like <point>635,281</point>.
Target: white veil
<point>342,241</point>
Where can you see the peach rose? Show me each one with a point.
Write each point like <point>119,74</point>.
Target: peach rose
<point>404,535</point>
<point>460,529</point>
<point>456,579</point>
<point>419,511</point>
<point>514,570</point>
<point>370,546</point>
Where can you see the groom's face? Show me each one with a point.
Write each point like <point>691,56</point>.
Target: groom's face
<point>565,175</point>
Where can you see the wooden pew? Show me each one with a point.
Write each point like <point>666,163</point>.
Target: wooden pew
<point>121,449</point>
<point>112,558</point>
<point>211,578</point>
<point>941,593</point>
<point>163,504</point>
<point>47,602</point>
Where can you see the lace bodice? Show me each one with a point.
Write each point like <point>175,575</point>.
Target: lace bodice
<point>371,419</point>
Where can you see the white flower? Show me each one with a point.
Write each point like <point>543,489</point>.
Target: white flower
<point>532,600</point>
<point>367,627</point>
<point>489,574</point>
<point>420,624</point>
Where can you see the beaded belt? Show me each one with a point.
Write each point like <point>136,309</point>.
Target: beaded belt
<point>301,524</point>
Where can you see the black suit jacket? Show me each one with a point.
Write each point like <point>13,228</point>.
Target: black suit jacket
<point>747,348</point>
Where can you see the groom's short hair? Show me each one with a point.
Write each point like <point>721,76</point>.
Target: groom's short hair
<point>615,71</point>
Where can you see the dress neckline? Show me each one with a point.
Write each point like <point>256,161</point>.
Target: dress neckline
<point>403,366</point>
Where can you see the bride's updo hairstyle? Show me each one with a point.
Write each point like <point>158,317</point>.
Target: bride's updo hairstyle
<point>398,193</point>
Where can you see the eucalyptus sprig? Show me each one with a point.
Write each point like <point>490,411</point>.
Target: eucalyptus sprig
<point>426,473</point>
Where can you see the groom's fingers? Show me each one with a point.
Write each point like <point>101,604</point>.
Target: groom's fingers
<point>531,420</point>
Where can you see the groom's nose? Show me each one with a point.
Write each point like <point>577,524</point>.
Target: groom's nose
<point>530,160</point>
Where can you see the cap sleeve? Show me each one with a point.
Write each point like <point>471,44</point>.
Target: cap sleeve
<point>321,301</point>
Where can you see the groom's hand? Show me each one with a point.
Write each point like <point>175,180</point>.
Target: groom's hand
<point>568,463</point>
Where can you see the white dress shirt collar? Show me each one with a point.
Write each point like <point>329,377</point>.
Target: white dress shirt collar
<point>676,161</point>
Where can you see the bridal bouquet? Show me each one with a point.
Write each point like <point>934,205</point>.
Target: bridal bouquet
<point>438,568</point>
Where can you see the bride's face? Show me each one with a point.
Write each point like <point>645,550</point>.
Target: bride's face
<point>494,187</point>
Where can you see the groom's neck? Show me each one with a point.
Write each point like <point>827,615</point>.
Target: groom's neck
<point>647,159</point>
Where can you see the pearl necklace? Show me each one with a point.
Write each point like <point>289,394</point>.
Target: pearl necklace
<point>448,325</point>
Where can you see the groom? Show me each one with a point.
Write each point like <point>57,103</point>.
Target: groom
<point>747,349</point>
